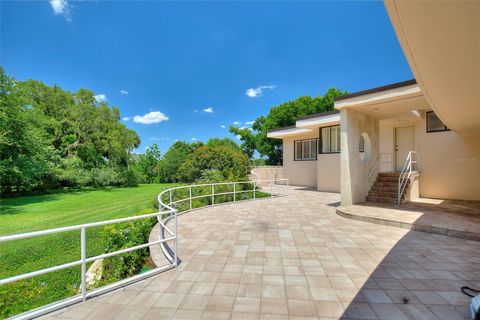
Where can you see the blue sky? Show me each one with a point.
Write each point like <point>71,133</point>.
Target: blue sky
<point>182,70</point>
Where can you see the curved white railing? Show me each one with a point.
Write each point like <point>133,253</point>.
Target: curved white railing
<point>268,186</point>
<point>166,213</point>
<point>84,260</point>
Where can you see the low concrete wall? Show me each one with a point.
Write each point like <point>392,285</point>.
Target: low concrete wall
<point>267,173</point>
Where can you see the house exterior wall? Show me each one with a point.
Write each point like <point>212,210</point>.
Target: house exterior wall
<point>449,164</point>
<point>354,181</point>
<point>328,172</point>
<point>299,173</point>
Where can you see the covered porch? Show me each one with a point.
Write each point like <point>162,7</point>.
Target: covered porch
<point>392,128</point>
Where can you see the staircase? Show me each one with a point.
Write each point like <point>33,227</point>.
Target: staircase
<point>385,188</point>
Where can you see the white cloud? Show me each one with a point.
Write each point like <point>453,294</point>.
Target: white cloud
<point>223,126</point>
<point>249,123</point>
<point>159,139</point>
<point>151,117</point>
<point>208,110</point>
<point>239,137</point>
<point>194,139</point>
<point>61,8</point>
<point>258,91</point>
<point>246,128</point>
<point>100,97</point>
<point>237,123</point>
<point>126,118</point>
<point>123,92</point>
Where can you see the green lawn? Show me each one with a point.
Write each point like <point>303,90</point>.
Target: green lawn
<point>33,213</point>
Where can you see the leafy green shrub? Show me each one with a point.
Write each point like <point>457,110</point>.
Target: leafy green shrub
<point>231,163</point>
<point>122,236</point>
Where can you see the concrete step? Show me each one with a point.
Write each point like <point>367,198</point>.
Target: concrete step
<point>383,199</point>
<point>384,188</point>
<point>390,184</point>
<point>384,194</point>
<point>387,179</point>
<point>389,174</point>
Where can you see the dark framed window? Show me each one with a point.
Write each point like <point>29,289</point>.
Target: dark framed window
<point>434,124</point>
<point>361,144</point>
<point>329,139</point>
<point>305,149</point>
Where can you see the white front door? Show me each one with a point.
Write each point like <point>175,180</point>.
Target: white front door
<point>404,143</point>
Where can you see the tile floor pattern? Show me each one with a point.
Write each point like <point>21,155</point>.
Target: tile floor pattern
<point>459,219</point>
<point>294,258</point>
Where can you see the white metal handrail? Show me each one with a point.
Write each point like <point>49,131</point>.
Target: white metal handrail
<point>410,167</point>
<point>374,167</point>
<point>167,251</point>
<point>166,213</point>
<point>84,260</point>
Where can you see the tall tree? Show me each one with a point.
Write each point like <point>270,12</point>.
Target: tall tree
<point>283,115</point>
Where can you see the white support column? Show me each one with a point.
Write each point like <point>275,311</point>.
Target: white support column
<point>83,257</point>
<point>234,194</point>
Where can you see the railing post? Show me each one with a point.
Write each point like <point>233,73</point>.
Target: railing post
<point>170,204</point>
<point>234,194</point>
<point>254,189</point>
<point>213,194</point>
<point>83,256</point>
<point>190,192</point>
<point>175,240</point>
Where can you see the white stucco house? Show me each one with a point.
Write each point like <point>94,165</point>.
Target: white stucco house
<point>401,141</point>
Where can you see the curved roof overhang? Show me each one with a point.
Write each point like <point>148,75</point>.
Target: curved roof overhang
<point>441,41</point>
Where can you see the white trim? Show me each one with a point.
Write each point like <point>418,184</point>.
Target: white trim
<point>381,96</point>
<point>287,132</point>
<point>319,121</point>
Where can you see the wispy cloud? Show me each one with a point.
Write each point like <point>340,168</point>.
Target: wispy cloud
<point>150,118</point>
<point>100,97</point>
<point>123,92</point>
<point>223,126</point>
<point>194,139</point>
<point>249,123</point>
<point>126,118</point>
<point>61,8</point>
<point>244,127</point>
<point>258,91</point>
<point>159,139</point>
<point>208,110</point>
<point>236,123</point>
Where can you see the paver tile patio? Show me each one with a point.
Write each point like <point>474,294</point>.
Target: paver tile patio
<point>295,258</point>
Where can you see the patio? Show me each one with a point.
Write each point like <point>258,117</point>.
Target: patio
<point>295,258</point>
<point>460,219</point>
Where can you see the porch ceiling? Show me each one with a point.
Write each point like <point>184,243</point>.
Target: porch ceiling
<point>400,107</point>
<point>441,42</point>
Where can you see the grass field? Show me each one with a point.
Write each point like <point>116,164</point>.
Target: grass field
<point>33,213</point>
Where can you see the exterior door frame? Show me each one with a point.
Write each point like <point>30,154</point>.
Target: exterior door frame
<point>396,148</point>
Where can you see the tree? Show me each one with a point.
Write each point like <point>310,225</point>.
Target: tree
<point>173,159</point>
<point>23,148</point>
<point>280,116</point>
<point>230,162</point>
<point>149,164</point>
<point>225,142</point>
<point>51,138</point>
